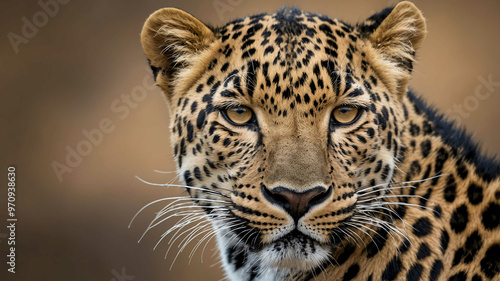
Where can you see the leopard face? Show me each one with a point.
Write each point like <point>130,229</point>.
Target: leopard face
<point>286,126</point>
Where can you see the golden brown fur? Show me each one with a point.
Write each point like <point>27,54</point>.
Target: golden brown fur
<point>400,194</point>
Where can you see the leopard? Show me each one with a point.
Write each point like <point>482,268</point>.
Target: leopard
<point>301,145</point>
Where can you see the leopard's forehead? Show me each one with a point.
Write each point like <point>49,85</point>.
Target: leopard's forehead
<point>284,24</point>
<point>290,61</point>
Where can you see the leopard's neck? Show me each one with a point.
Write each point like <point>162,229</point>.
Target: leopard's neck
<point>434,146</point>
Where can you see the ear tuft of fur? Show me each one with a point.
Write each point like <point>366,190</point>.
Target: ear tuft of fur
<point>172,38</point>
<point>396,33</point>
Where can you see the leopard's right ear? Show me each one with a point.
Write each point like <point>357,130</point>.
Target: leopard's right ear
<point>395,35</point>
<point>172,39</point>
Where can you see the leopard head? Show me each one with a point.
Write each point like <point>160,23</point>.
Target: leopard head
<point>285,126</point>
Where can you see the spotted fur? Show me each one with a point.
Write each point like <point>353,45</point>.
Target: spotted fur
<point>404,195</point>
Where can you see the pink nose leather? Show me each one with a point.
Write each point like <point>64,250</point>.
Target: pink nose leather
<point>298,202</point>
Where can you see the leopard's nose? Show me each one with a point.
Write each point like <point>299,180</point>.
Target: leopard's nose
<point>296,203</point>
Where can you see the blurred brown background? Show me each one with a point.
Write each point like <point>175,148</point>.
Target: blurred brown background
<point>71,74</point>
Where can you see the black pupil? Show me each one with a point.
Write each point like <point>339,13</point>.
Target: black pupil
<point>239,110</point>
<point>345,110</point>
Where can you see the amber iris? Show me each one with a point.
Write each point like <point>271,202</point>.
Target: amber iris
<point>345,114</point>
<point>239,115</point>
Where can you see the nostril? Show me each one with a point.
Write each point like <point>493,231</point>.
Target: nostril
<point>321,197</point>
<point>275,198</point>
<point>296,203</point>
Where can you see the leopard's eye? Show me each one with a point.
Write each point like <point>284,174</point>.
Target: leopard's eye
<point>239,115</point>
<point>345,115</point>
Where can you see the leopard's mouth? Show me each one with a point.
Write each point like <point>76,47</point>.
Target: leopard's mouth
<point>296,235</point>
<point>295,250</point>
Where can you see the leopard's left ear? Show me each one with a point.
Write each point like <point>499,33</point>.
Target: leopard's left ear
<point>172,40</point>
<point>396,33</point>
